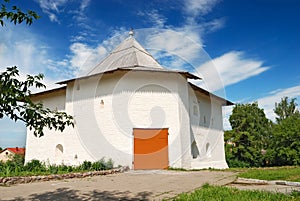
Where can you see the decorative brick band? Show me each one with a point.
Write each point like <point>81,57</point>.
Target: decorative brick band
<point>29,179</point>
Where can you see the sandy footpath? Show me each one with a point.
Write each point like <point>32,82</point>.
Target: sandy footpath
<point>132,185</point>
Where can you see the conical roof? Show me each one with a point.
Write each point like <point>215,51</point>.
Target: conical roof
<point>129,54</point>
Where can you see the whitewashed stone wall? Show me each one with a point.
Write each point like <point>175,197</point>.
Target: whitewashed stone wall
<point>207,137</point>
<point>107,108</point>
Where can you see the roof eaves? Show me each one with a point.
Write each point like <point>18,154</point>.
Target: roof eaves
<point>134,68</point>
<point>48,91</point>
<point>225,101</point>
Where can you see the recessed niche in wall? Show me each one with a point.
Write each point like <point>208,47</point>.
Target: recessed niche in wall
<point>208,150</point>
<point>102,103</point>
<point>59,150</point>
<point>195,108</point>
<point>194,149</point>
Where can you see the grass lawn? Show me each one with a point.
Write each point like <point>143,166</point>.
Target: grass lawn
<point>274,173</point>
<point>215,193</point>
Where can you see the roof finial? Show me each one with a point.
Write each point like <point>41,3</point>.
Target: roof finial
<point>131,32</point>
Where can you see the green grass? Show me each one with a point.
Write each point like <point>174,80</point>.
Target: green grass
<point>274,173</point>
<point>288,173</point>
<point>218,193</point>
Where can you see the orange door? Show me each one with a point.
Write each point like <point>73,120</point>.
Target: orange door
<point>150,148</point>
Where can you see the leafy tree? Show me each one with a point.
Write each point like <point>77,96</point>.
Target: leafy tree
<point>250,134</point>
<point>16,15</point>
<point>285,146</point>
<point>15,100</point>
<point>285,109</point>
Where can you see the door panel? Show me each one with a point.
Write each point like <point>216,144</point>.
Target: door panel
<point>151,148</point>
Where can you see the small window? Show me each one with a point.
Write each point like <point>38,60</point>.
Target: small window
<point>78,87</point>
<point>204,119</point>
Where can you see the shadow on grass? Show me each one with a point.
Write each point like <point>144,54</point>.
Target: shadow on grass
<point>64,194</point>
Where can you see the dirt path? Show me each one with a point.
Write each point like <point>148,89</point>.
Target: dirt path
<point>132,185</point>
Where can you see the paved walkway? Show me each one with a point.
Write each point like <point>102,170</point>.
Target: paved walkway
<point>132,185</point>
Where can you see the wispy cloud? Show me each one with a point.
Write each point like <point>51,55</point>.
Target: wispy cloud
<point>199,7</point>
<point>229,69</point>
<point>51,7</point>
<point>195,8</point>
<point>268,102</point>
<point>167,40</point>
<point>156,19</point>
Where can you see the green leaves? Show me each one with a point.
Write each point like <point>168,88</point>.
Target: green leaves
<point>257,141</point>
<point>285,109</point>
<point>15,103</point>
<point>16,15</point>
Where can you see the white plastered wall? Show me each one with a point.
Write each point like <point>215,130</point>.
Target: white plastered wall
<point>206,131</point>
<point>107,108</point>
<point>44,148</point>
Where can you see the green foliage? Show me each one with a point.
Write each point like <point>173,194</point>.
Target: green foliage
<point>15,103</point>
<point>285,147</point>
<point>218,193</point>
<point>16,15</point>
<point>285,109</point>
<point>16,167</point>
<point>249,136</point>
<point>35,166</point>
<point>278,173</point>
<point>256,142</point>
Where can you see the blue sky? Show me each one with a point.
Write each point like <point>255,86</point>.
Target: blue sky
<point>252,48</point>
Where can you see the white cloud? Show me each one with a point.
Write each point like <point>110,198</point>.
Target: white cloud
<point>199,7</point>
<point>182,45</point>
<point>84,4</point>
<point>229,69</point>
<point>20,50</point>
<point>214,25</point>
<point>194,8</point>
<point>50,7</point>
<point>268,102</point>
<point>54,7</point>
<point>83,57</point>
<point>154,17</point>
<point>29,54</point>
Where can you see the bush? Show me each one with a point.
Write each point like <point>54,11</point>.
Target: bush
<point>35,166</point>
<point>16,167</point>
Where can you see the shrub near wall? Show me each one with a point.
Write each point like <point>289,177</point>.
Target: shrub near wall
<point>16,167</point>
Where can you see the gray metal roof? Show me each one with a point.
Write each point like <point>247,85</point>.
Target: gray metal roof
<point>128,54</point>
